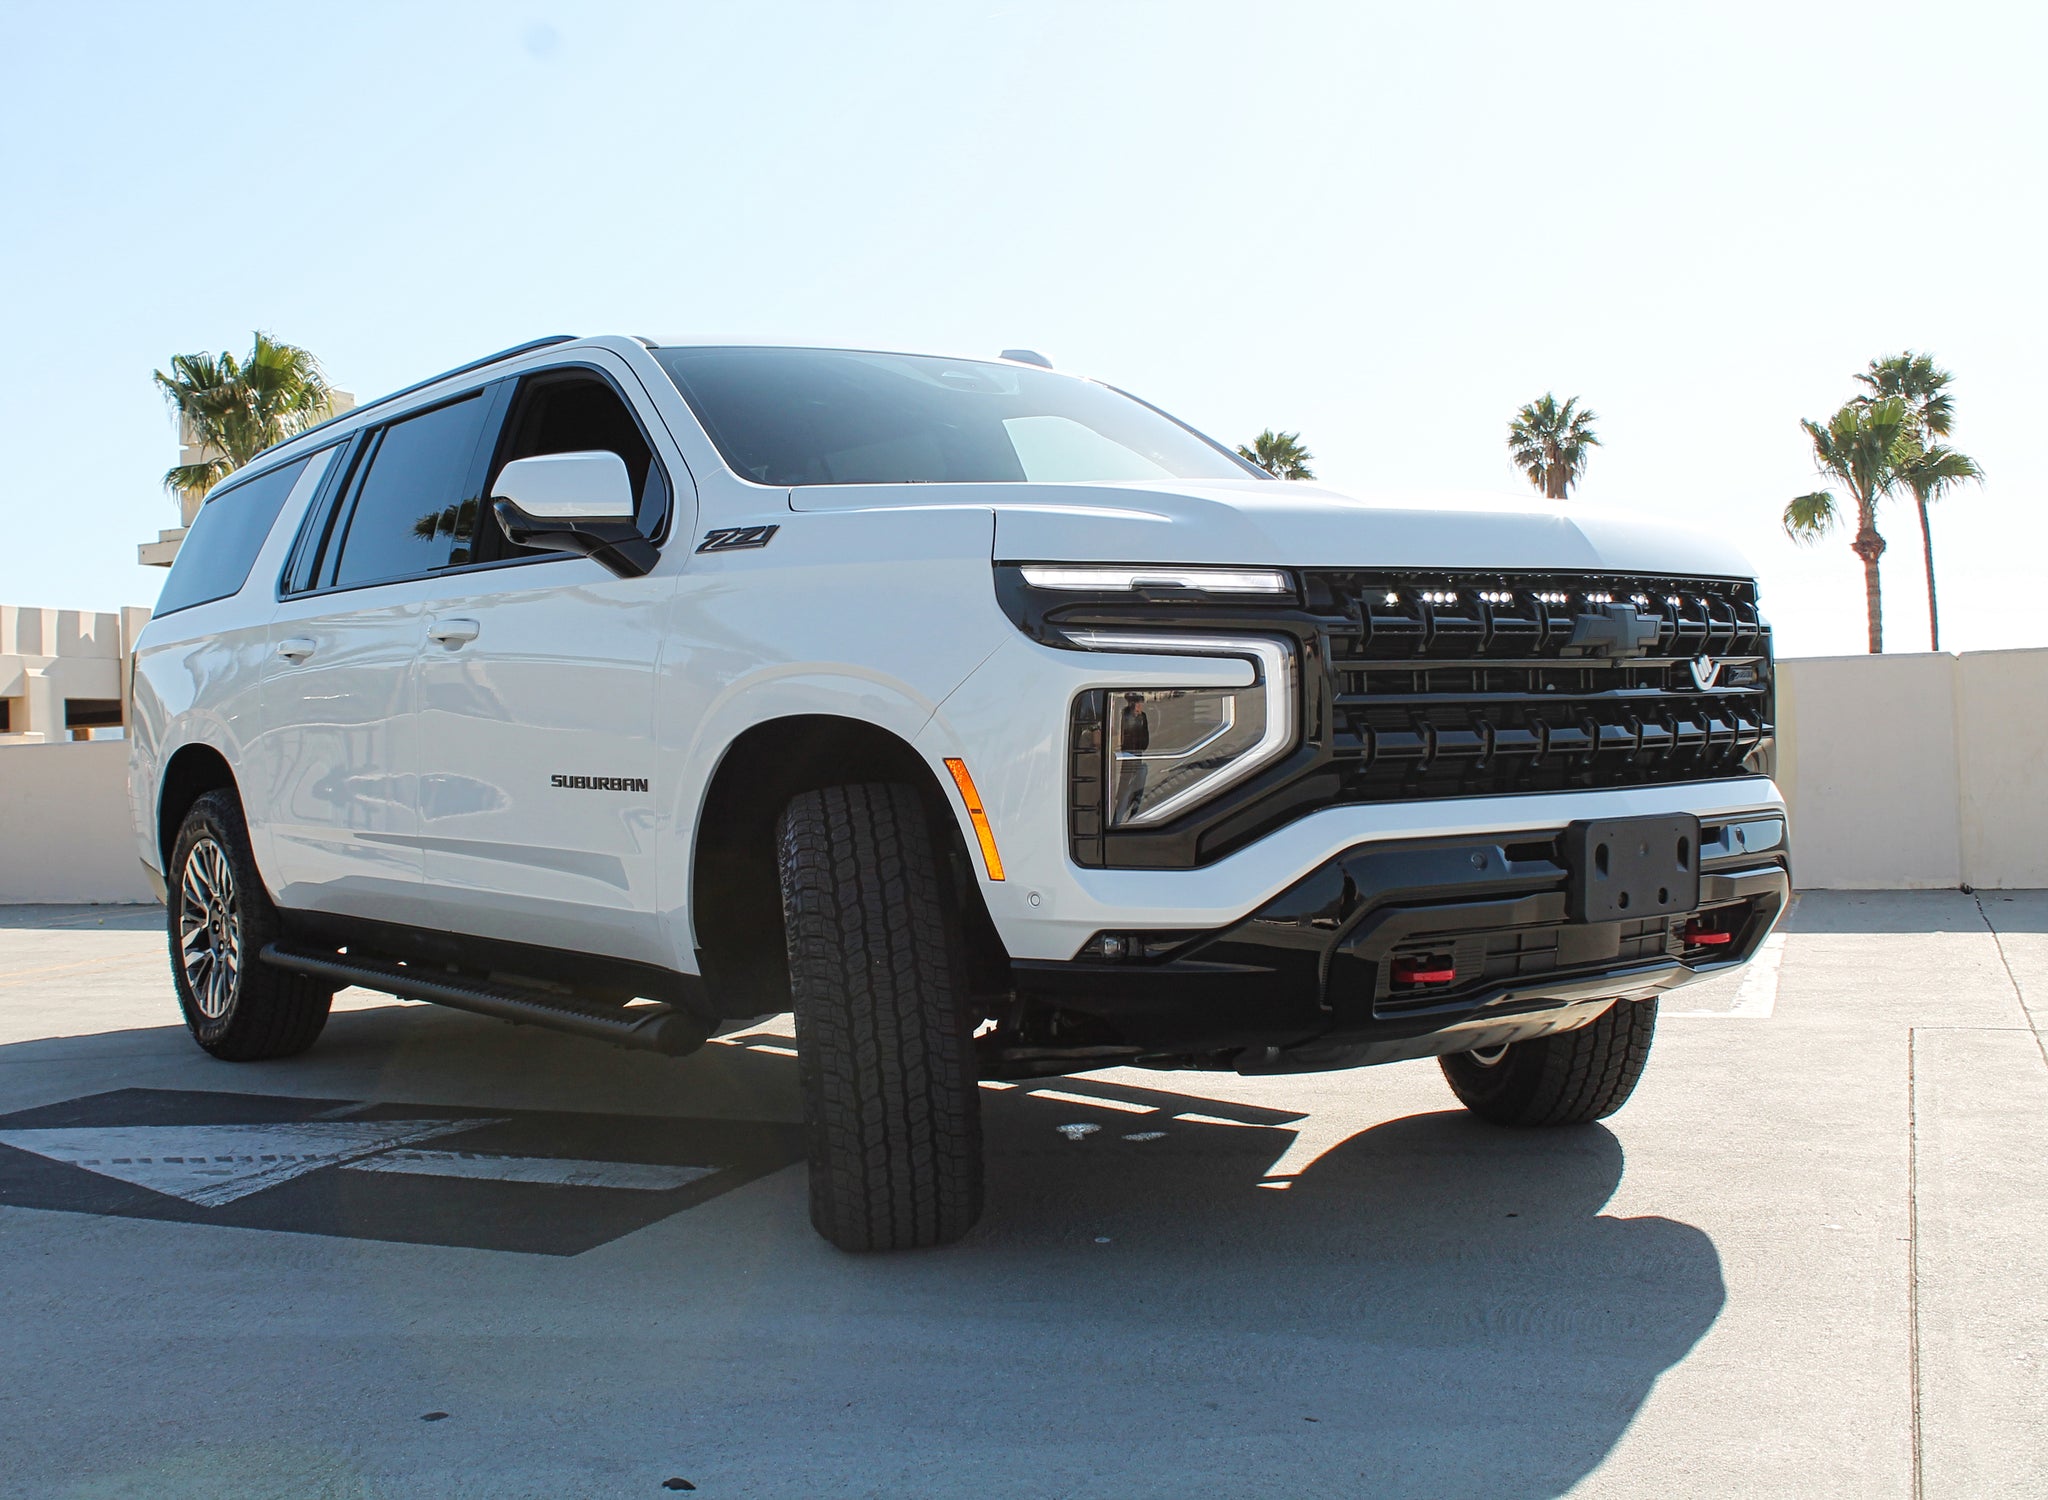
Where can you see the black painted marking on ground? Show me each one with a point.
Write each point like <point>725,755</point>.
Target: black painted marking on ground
<point>409,1207</point>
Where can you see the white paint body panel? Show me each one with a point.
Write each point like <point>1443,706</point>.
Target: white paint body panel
<point>568,487</point>
<point>334,767</point>
<point>392,775</point>
<point>199,677</point>
<point>1251,522</point>
<point>559,680</point>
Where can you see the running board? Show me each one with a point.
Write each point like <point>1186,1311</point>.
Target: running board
<point>647,1028</point>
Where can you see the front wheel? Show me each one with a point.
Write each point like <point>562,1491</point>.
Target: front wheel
<point>236,1006</point>
<point>1567,1078</point>
<point>885,1048</point>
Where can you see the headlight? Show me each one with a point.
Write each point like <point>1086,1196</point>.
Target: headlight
<point>1165,749</point>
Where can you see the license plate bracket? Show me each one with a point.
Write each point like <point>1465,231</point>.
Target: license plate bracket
<point>1632,867</point>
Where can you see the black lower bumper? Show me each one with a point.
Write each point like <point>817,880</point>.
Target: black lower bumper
<point>1347,966</point>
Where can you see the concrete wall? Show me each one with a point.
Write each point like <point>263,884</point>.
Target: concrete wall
<point>49,655</point>
<point>2002,759</point>
<point>1903,772</point>
<point>1916,772</point>
<point>64,828</point>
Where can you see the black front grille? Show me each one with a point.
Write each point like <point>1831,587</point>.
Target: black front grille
<point>1468,684</point>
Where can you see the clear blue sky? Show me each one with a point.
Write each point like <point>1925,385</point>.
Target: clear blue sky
<point>1385,226</point>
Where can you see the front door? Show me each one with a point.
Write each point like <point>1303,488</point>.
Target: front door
<point>538,790</point>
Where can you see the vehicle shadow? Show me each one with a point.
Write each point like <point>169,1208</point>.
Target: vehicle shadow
<point>1190,1296</point>
<point>1444,1294</point>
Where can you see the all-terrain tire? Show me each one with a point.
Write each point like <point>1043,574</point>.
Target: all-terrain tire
<point>1567,1078</point>
<point>885,1049</point>
<point>220,917</point>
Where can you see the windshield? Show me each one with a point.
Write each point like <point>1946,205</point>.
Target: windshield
<point>827,416</point>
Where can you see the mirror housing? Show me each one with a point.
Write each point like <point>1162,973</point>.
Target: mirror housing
<point>574,502</point>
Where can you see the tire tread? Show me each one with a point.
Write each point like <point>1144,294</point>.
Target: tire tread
<point>1569,1078</point>
<point>884,1046</point>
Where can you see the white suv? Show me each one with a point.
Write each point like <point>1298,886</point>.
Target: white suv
<point>990,719</point>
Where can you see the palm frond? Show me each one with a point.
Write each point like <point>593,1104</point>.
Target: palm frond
<point>237,408</point>
<point>1551,442</point>
<point>1811,517</point>
<point>1279,454</point>
<point>1918,381</point>
<point>187,479</point>
<point>1932,471</point>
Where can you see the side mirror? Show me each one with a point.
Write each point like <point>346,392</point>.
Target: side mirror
<point>574,502</point>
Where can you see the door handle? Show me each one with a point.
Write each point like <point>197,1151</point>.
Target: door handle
<point>296,647</point>
<point>452,632</point>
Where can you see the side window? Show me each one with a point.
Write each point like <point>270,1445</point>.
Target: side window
<point>578,412</point>
<point>412,503</point>
<point>214,559</point>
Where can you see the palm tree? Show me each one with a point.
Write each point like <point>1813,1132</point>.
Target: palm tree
<point>1923,386</point>
<point>1551,443</point>
<point>234,409</point>
<point>1279,454</point>
<point>1863,448</point>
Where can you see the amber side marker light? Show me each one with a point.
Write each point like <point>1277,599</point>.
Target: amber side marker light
<point>971,799</point>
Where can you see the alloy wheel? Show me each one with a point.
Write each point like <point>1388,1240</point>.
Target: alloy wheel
<point>209,931</point>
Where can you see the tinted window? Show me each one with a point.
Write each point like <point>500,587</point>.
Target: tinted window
<point>824,416</point>
<point>215,557</point>
<point>412,500</point>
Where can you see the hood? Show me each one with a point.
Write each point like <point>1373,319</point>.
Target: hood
<point>1292,524</point>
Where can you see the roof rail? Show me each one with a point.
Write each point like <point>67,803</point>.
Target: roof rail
<point>419,385</point>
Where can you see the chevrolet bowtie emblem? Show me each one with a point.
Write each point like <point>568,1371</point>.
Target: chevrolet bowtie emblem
<point>1617,630</point>
<point>1705,672</point>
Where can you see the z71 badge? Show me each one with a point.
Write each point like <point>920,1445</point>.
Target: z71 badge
<point>733,538</point>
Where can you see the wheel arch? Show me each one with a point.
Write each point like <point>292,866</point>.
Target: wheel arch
<point>190,773</point>
<point>735,889</point>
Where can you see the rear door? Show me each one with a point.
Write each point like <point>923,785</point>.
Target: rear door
<point>337,754</point>
<point>535,688</point>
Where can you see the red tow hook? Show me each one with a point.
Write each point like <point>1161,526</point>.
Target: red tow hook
<point>1697,934</point>
<point>1431,970</point>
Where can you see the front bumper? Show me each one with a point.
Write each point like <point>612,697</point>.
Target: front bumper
<point>1311,979</point>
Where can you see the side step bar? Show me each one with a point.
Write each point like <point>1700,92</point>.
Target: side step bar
<point>646,1028</point>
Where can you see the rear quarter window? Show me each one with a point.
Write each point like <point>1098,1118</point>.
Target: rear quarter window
<point>214,559</point>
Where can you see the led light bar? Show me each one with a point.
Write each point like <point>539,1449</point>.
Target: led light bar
<point>1096,580</point>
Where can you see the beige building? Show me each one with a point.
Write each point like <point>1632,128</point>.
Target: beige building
<point>161,552</point>
<point>64,673</point>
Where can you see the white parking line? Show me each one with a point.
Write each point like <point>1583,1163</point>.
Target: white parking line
<point>213,1165</point>
<point>1756,997</point>
<point>646,1177</point>
<point>1100,1103</point>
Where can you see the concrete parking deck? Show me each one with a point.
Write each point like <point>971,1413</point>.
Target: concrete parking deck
<point>440,1256</point>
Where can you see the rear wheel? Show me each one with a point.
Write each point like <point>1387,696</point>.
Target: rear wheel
<point>236,1006</point>
<point>1567,1078</point>
<point>884,1039</point>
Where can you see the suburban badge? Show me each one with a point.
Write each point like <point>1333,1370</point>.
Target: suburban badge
<point>598,783</point>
